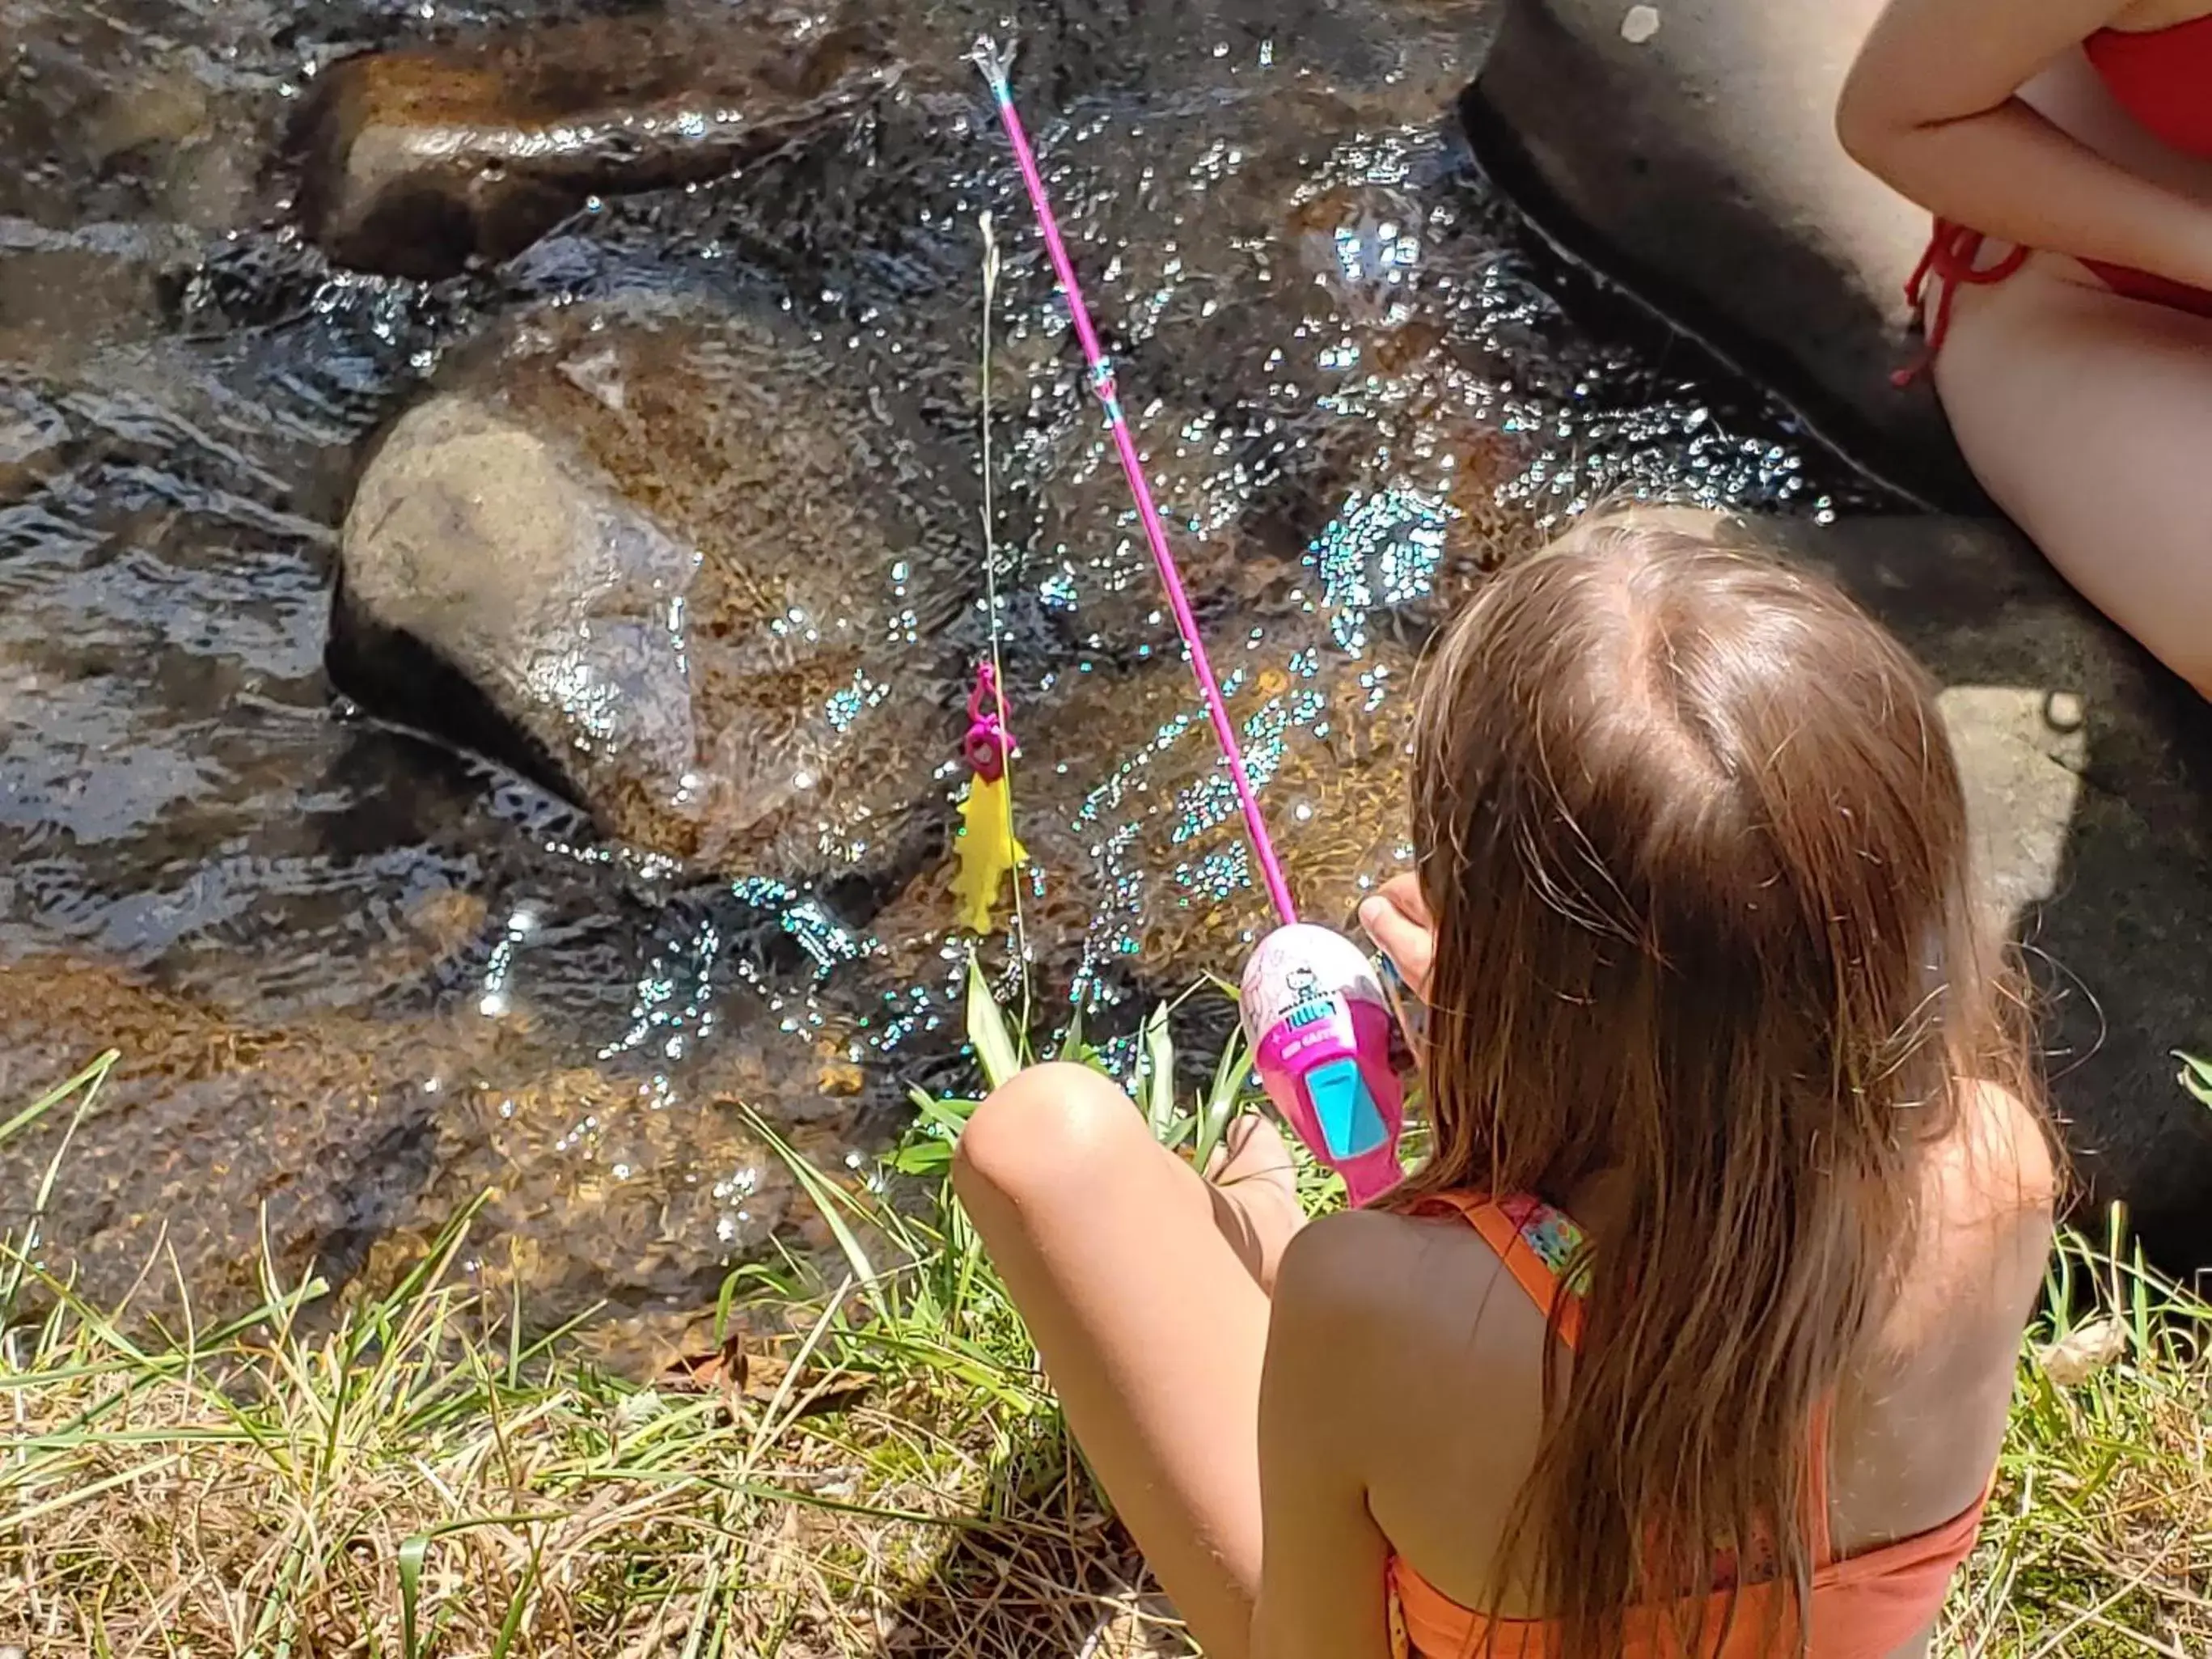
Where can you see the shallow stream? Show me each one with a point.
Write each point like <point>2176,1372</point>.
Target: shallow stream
<point>360,978</point>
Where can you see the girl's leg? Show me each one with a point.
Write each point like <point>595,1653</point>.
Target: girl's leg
<point>2087,417</point>
<point>1142,1285</point>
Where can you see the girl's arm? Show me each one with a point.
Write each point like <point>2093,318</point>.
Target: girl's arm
<point>1322,1559</point>
<point>1932,107</point>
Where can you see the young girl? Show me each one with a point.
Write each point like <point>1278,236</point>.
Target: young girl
<point>1696,1333</point>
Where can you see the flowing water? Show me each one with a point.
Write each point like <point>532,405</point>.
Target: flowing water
<point>361,979</point>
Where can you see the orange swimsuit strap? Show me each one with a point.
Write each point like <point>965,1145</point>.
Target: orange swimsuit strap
<point>1865,1608</point>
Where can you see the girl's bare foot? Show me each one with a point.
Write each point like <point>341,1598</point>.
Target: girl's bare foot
<point>1255,1193</point>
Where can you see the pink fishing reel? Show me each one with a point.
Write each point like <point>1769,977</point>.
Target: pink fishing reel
<point>1323,1037</point>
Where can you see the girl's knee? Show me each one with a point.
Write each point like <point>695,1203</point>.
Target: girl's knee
<point>1053,1127</point>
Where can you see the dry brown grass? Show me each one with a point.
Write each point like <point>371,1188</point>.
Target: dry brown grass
<point>408,1476</point>
<point>249,1501</point>
<point>2099,1540</point>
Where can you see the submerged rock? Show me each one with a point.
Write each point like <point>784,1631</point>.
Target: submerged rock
<point>109,118</point>
<point>674,568</point>
<point>165,1164</point>
<point>340,1147</point>
<point>416,162</point>
<point>1699,165</point>
<point>32,433</point>
<point>1141,880</point>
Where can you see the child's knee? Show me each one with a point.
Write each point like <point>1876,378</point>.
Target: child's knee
<point>1053,1127</point>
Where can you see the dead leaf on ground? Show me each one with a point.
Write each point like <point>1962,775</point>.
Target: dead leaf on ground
<point>2082,1353</point>
<point>754,1377</point>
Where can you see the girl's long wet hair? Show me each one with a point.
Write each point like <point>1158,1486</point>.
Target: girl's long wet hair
<point>1696,846</point>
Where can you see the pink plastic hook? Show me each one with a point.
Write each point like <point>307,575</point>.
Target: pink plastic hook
<point>988,742</point>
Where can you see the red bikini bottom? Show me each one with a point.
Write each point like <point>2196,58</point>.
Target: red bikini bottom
<point>1950,258</point>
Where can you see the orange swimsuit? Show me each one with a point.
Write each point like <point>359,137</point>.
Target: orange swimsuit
<point>2163,77</point>
<point>1866,1607</point>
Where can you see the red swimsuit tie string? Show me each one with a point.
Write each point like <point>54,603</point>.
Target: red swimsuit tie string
<point>1949,260</point>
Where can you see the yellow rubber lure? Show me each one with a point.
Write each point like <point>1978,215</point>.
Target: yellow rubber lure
<point>986,849</point>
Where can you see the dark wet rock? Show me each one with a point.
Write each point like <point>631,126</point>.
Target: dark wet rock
<point>1699,167</point>
<point>103,118</point>
<point>1174,885</point>
<point>1086,587</point>
<point>70,297</point>
<point>123,153</point>
<point>415,162</point>
<point>676,569</point>
<point>165,1164</point>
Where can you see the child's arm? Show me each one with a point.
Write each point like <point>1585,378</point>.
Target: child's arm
<point>1323,1558</point>
<point>1932,106</point>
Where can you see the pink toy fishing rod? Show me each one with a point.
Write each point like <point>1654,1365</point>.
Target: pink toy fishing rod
<point>1314,1009</point>
<point>1102,382</point>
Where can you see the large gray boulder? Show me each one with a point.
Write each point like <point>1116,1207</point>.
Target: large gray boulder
<point>668,566</point>
<point>2086,771</point>
<point>1697,165</point>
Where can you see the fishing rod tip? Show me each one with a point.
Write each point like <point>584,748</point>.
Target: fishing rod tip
<point>995,62</point>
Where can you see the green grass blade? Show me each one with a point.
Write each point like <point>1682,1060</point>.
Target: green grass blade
<point>2195,1077</point>
<point>20,1255</point>
<point>923,1157</point>
<point>986,1029</point>
<point>411,1592</point>
<point>833,1203</point>
<point>516,1607</point>
<point>1159,1076</point>
<point>90,1080</point>
<point>1072,1045</point>
<point>416,1548</point>
<point>1221,1102</point>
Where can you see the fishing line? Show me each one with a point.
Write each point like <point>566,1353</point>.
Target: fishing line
<point>991,582</point>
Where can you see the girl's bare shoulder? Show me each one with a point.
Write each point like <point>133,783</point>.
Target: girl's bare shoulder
<point>1988,1193</point>
<point>1421,1297</point>
<point>1996,1173</point>
<point>1433,1357</point>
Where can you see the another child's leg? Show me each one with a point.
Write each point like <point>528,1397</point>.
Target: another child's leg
<point>2085,414</point>
<point>1141,1286</point>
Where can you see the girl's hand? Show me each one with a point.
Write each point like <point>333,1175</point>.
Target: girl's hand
<point>1397,919</point>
